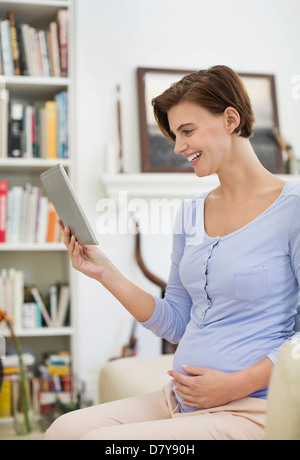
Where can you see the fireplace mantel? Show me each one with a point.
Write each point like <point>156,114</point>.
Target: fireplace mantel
<point>157,185</point>
<point>161,185</point>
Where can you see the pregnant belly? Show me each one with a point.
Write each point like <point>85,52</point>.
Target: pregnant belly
<point>217,350</point>
<point>202,349</point>
<point>193,354</point>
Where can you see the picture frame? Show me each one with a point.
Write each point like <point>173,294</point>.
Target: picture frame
<point>157,152</point>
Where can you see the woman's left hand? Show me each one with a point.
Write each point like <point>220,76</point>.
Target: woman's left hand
<point>202,388</point>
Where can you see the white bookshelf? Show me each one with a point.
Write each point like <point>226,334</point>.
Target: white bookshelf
<point>38,83</point>
<point>38,165</point>
<point>43,264</point>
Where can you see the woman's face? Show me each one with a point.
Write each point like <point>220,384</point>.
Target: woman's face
<point>202,137</point>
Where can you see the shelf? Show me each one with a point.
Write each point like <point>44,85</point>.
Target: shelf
<point>6,421</point>
<point>35,12</point>
<point>41,3</point>
<point>38,164</point>
<point>42,332</point>
<point>25,81</point>
<point>34,87</point>
<point>7,247</point>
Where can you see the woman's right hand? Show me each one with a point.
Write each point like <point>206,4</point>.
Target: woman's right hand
<point>87,259</point>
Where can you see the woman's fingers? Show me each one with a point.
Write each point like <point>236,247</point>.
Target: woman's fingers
<point>72,245</point>
<point>67,236</point>
<point>69,241</point>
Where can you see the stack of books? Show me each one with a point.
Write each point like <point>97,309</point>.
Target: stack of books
<point>57,384</point>
<point>10,391</point>
<point>25,50</point>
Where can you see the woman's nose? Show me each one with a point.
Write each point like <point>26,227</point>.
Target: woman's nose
<point>180,147</point>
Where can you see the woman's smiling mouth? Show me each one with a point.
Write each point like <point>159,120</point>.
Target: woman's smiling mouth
<point>194,156</point>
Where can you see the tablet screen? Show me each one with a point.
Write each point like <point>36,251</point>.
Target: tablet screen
<point>61,192</point>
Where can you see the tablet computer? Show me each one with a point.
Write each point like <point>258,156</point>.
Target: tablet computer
<point>61,192</point>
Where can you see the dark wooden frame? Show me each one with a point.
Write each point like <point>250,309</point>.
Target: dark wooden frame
<point>264,140</point>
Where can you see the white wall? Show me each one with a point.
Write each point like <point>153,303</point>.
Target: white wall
<point>115,37</point>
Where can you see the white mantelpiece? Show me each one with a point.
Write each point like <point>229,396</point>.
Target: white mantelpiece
<point>161,185</point>
<point>157,185</point>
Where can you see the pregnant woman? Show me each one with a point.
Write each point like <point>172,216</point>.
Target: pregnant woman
<point>233,287</point>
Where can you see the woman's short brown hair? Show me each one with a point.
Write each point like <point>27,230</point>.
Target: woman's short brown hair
<point>215,89</point>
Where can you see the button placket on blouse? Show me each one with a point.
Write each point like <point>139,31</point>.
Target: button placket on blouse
<point>209,254</point>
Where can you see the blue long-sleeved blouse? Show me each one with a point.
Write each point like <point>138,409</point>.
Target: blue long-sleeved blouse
<point>231,300</point>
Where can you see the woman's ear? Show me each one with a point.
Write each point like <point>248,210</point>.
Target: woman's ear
<point>232,119</point>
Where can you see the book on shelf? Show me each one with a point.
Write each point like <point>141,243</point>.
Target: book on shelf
<point>12,294</point>
<point>4,118</point>
<point>54,46</point>
<point>21,47</point>
<point>5,399</point>
<point>63,33</point>
<point>27,148</point>
<point>7,56</point>
<point>31,318</point>
<point>51,129</point>
<point>61,100</point>
<point>24,33</point>
<point>14,215</point>
<point>53,301</point>
<point>14,42</point>
<point>63,305</point>
<point>3,209</point>
<point>31,312</point>
<point>43,220</point>
<point>15,130</point>
<point>52,224</point>
<point>41,305</point>
<point>1,58</point>
<point>42,37</point>
<point>27,50</point>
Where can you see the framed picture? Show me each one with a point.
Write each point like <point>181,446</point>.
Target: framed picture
<point>157,152</point>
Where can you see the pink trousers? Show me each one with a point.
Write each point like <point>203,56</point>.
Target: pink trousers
<point>155,416</point>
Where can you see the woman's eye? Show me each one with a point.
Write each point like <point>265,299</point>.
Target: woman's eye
<point>187,132</point>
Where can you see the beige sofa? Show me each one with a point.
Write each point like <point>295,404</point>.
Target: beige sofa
<point>283,416</point>
<point>127,377</point>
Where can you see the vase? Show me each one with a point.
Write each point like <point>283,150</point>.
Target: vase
<point>23,424</point>
<point>23,415</point>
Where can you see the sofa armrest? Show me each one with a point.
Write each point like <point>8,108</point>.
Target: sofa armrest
<point>125,377</point>
<point>283,410</point>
